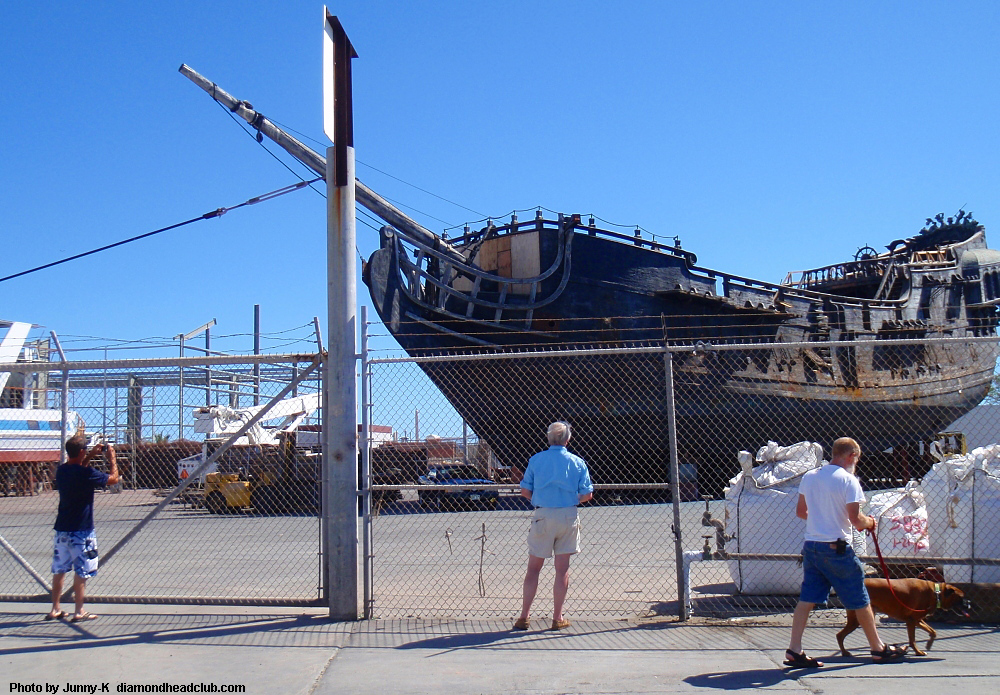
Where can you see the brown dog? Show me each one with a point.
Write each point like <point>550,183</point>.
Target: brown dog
<point>916,600</point>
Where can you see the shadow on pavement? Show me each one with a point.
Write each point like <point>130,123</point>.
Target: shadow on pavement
<point>766,677</point>
<point>281,631</point>
<point>474,639</point>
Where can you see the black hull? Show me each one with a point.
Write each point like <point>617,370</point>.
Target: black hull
<point>604,293</point>
<point>620,425</point>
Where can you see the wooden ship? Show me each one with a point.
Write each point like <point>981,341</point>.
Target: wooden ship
<point>562,283</point>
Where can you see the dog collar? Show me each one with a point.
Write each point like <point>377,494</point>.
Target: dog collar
<point>937,592</point>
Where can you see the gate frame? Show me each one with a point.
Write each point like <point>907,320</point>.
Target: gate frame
<point>65,367</point>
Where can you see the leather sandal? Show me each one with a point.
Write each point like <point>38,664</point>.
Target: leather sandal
<point>560,624</point>
<point>889,652</point>
<point>800,660</point>
<point>522,624</point>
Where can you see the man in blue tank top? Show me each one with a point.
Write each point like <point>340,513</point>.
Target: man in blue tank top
<point>75,544</point>
<point>555,482</point>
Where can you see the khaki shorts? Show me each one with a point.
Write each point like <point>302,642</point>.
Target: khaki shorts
<point>554,529</point>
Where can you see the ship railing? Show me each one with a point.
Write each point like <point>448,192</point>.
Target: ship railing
<point>429,279</point>
<point>469,238</point>
<point>852,270</point>
<point>937,258</point>
<point>591,229</point>
<point>785,290</point>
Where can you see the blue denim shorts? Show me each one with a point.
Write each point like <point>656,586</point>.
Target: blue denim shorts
<point>822,568</point>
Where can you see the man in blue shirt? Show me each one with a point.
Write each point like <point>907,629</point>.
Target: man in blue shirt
<point>75,544</point>
<point>555,482</point>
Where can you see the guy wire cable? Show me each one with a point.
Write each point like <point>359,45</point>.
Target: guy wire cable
<point>207,216</point>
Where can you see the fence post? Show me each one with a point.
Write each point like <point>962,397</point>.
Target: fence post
<point>64,417</point>
<point>675,481</point>
<point>180,392</point>
<point>366,466</point>
<point>256,351</point>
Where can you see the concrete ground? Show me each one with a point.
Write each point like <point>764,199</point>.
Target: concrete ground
<point>300,651</point>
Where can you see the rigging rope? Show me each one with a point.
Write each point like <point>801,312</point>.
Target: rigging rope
<point>207,216</point>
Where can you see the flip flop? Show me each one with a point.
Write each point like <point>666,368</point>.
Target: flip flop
<point>58,616</point>
<point>83,618</point>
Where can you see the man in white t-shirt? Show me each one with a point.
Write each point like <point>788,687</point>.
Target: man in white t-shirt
<point>830,502</point>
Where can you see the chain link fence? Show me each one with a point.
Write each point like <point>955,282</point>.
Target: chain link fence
<point>451,436</point>
<point>220,474</point>
<point>219,463</point>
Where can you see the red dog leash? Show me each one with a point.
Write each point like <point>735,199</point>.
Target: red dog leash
<point>885,571</point>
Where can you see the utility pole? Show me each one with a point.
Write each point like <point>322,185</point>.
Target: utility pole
<point>340,416</point>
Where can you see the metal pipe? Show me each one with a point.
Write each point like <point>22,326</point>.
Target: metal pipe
<point>684,349</point>
<point>465,445</point>
<point>65,401</point>
<point>256,351</point>
<point>175,600</point>
<point>366,468</point>
<point>319,334</point>
<point>208,369</point>
<point>675,482</point>
<point>180,393</point>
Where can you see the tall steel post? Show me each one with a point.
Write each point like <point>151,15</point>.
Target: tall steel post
<point>64,405</point>
<point>256,351</point>
<point>208,370</point>
<point>184,337</point>
<point>675,480</point>
<point>465,444</point>
<point>340,416</point>
<point>366,466</point>
<point>180,392</point>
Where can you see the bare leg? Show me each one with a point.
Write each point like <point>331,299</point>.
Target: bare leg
<point>866,618</point>
<point>57,585</point>
<point>79,589</point>
<point>560,586</point>
<point>799,620</point>
<point>530,584</point>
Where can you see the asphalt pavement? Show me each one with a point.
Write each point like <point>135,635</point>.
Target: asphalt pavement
<point>264,650</point>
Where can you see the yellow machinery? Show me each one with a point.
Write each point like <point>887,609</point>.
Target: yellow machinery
<point>280,480</point>
<point>231,491</point>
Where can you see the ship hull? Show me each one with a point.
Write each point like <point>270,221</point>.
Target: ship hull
<point>610,294</point>
<point>621,426</point>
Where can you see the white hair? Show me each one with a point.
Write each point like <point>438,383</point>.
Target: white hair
<point>559,433</point>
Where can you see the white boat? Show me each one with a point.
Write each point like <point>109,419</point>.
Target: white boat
<point>30,438</point>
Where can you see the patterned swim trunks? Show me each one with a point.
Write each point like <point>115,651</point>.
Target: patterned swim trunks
<point>77,551</point>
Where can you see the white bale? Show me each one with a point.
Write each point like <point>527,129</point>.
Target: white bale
<point>963,512</point>
<point>901,518</point>
<point>760,512</point>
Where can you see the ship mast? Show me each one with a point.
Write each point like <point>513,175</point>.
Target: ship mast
<point>368,198</point>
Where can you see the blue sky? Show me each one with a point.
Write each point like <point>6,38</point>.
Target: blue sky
<point>770,137</point>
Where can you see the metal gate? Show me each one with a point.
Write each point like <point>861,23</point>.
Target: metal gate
<point>163,533</point>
